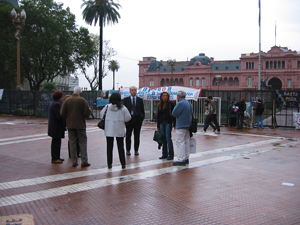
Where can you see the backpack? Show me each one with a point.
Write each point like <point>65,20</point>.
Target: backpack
<point>262,108</point>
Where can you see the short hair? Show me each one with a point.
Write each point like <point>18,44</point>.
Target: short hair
<point>181,94</point>
<point>133,87</point>
<point>115,99</point>
<point>210,97</point>
<point>57,95</point>
<point>77,90</point>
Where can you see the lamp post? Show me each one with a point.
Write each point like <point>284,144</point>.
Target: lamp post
<point>18,20</point>
<point>218,77</point>
<point>172,63</point>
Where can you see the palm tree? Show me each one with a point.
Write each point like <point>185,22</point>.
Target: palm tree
<point>113,66</point>
<point>106,12</point>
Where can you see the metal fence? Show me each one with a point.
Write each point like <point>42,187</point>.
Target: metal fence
<point>279,105</point>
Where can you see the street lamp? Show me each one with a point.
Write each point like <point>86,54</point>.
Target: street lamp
<point>18,20</point>
<point>172,63</point>
<point>218,77</point>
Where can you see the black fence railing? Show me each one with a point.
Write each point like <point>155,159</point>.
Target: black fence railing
<point>279,105</point>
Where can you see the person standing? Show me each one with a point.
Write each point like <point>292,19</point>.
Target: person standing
<point>258,112</point>
<point>241,113</point>
<point>76,109</point>
<point>232,115</point>
<point>116,116</point>
<point>135,106</point>
<point>212,114</point>
<point>165,122</point>
<point>183,112</point>
<point>56,126</point>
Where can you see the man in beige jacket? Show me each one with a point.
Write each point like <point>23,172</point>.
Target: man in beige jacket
<point>75,110</point>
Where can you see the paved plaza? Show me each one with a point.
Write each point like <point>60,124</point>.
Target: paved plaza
<point>248,176</point>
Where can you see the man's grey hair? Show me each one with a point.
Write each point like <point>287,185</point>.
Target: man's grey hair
<point>133,87</point>
<point>77,90</point>
<point>181,94</point>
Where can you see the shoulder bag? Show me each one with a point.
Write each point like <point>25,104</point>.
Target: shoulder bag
<point>101,123</point>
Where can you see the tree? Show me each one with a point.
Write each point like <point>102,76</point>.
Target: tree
<point>106,12</point>
<point>49,86</point>
<point>113,66</point>
<point>108,52</point>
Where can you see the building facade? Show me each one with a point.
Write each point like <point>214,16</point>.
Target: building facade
<point>280,69</point>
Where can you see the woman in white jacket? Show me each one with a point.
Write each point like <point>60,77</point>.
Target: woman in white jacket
<point>116,116</point>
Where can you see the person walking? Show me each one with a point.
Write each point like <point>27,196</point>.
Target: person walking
<point>76,109</point>
<point>258,112</point>
<point>232,115</point>
<point>206,113</point>
<point>56,126</point>
<point>212,115</point>
<point>183,112</point>
<point>165,122</point>
<point>241,113</point>
<point>116,116</point>
<point>135,106</point>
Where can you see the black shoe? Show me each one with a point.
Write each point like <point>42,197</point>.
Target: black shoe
<point>178,163</point>
<point>61,159</point>
<point>187,161</point>
<point>128,153</point>
<point>109,166</point>
<point>136,153</point>
<point>170,158</point>
<point>79,156</point>
<point>75,164</point>
<point>85,164</point>
<point>163,157</point>
<point>56,161</point>
<point>123,166</point>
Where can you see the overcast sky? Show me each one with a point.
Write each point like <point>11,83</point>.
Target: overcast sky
<point>176,29</point>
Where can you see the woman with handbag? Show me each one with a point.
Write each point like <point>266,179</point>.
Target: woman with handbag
<point>115,118</point>
<point>165,122</point>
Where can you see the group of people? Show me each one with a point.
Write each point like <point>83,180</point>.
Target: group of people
<point>121,120</point>
<point>236,113</point>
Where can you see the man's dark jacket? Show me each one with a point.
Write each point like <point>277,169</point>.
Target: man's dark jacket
<point>139,107</point>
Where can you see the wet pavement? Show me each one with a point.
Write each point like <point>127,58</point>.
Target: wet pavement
<point>248,176</point>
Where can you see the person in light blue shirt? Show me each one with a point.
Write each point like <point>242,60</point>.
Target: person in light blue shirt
<point>183,112</point>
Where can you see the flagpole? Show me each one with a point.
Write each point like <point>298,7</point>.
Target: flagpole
<point>259,58</point>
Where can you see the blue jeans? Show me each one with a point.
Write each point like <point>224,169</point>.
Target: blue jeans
<point>260,121</point>
<point>166,129</point>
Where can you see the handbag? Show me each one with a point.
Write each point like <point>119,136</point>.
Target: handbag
<point>158,137</point>
<point>101,123</point>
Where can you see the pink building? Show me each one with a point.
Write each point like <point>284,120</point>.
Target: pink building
<point>280,68</point>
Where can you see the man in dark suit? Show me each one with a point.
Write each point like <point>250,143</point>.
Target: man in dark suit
<point>135,106</point>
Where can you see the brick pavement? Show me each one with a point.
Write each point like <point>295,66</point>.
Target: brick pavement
<point>235,178</point>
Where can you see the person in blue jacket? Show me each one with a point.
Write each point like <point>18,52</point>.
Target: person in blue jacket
<point>183,112</point>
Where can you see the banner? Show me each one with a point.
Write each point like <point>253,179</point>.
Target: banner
<point>148,94</point>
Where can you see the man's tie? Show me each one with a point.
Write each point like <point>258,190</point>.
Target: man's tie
<point>133,107</point>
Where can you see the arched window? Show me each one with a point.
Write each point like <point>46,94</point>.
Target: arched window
<point>236,81</point>
<point>167,82</point>
<point>151,83</point>
<point>247,66</point>
<point>197,82</point>
<point>162,82</point>
<point>214,82</point>
<point>176,82</point>
<point>283,64</point>
<point>279,64</point>
<point>226,82</point>
<point>180,82</point>
<point>275,65</point>
<point>203,82</point>
<point>267,65</point>
<point>191,82</point>
<point>249,82</point>
<point>252,67</point>
<point>271,65</point>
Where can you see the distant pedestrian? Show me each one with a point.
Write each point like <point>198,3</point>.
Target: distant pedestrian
<point>116,116</point>
<point>259,109</point>
<point>241,113</point>
<point>232,115</point>
<point>212,114</point>
<point>135,106</point>
<point>165,122</point>
<point>56,126</point>
<point>183,112</point>
<point>76,109</point>
<point>206,113</point>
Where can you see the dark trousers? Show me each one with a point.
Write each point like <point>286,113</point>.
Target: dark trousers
<point>109,150</point>
<point>240,120</point>
<point>232,122</point>
<point>135,126</point>
<point>211,118</point>
<point>55,148</point>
